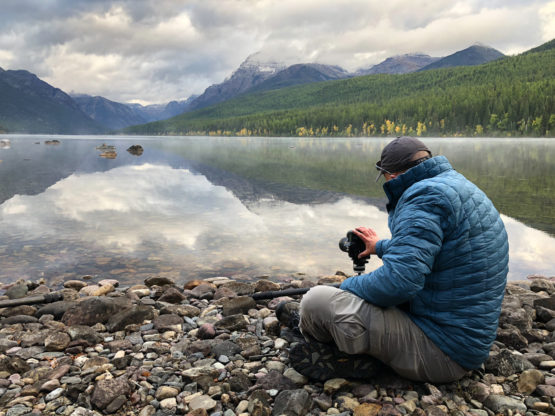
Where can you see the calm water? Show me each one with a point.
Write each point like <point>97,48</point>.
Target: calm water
<point>200,207</point>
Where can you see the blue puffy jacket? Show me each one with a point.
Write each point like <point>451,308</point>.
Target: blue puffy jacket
<point>447,257</point>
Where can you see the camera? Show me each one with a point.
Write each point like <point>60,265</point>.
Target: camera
<point>353,246</point>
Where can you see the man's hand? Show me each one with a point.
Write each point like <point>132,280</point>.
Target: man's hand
<point>370,239</point>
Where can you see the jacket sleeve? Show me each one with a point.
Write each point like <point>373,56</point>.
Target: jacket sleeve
<point>408,257</point>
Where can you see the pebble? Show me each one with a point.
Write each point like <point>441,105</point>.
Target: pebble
<point>217,353</point>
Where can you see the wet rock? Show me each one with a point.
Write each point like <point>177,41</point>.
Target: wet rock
<point>512,337</point>
<point>56,309</point>
<point>168,322</point>
<point>85,333</point>
<point>165,392</point>
<point>224,292</point>
<point>517,317</point>
<point>109,154</point>
<point>204,291</point>
<point>206,331</point>
<point>501,404</point>
<point>239,382</point>
<point>17,291</point>
<point>539,285</point>
<point>238,305</point>
<point>367,409</point>
<point>295,377</point>
<point>13,365</point>
<point>57,341</point>
<point>545,390</point>
<point>227,348</point>
<point>18,319</point>
<point>135,314</point>
<point>20,310</point>
<point>159,281</point>
<point>135,150</point>
<point>548,303</point>
<point>189,311</point>
<point>333,385</point>
<point>292,403</point>
<point>264,285</point>
<point>203,402</point>
<point>529,380</point>
<point>106,391</point>
<point>233,323</point>
<point>6,344</point>
<point>506,363</point>
<point>75,284</point>
<point>272,325</point>
<point>94,310</point>
<point>240,288</point>
<point>479,391</point>
<point>172,295</point>
<point>275,380</point>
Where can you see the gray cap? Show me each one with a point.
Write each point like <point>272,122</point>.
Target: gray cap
<point>398,154</point>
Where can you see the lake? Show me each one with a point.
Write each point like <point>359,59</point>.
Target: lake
<point>197,207</point>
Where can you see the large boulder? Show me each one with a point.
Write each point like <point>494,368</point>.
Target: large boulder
<point>108,390</point>
<point>93,310</point>
<point>136,314</point>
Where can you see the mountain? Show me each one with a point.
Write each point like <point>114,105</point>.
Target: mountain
<point>30,105</point>
<point>466,100</point>
<point>301,74</point>
<point>253,71</point>
<point>473,55</point>
<point>115,116</point>
<point>400,64</point>
<point>111,114</point>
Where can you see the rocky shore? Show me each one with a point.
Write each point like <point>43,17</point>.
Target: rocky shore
<point>207,348</point>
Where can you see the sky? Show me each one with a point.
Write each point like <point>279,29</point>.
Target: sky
<point>155,51</point>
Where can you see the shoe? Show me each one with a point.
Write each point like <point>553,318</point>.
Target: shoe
<point>291,335</point>
<point>321,362</point>
<point>288,313</point>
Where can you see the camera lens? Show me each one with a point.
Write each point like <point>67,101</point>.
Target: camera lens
<point>344,244</point>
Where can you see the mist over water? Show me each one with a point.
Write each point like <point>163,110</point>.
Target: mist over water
<point>200,207</point>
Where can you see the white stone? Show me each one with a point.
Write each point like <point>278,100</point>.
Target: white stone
<point>169,403</point>
<point>119,354</point>
<point>280,343</point>
<point>54,394</point>
<point>203,402</point>
<point>547,364</point>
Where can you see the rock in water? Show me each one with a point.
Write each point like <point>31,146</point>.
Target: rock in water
<point>136,149</point>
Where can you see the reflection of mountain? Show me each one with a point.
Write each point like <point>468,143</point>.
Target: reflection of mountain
<point>249,191</point>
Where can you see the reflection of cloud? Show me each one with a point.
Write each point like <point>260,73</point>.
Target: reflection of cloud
<point>530,250</point>
<point>129,208</point>
<point>184,219</point>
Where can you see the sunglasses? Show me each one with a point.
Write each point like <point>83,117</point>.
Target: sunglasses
<point>381,172</point>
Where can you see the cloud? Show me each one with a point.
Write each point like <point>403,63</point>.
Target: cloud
<point>155,51</point>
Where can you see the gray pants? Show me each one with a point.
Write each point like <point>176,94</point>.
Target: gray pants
<point>388,334</point>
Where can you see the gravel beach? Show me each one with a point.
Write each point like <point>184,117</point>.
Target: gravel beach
<point>207,348</point>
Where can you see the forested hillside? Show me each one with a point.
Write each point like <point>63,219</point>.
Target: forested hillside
<point>507,97</point>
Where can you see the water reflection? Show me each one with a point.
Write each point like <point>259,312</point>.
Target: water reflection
<point>198,207</point>
<point>153,211</point>
<point>136,220</point>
